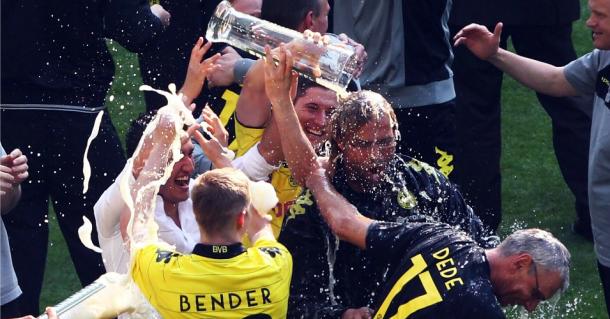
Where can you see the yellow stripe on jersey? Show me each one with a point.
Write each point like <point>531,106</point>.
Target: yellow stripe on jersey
<point>286,188</point>
<point>192,286</point>
<point>432,295</point>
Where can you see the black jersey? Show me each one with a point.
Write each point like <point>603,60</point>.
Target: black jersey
<point>331,276</point>
<point>222,100</point>
<point>436,273</point>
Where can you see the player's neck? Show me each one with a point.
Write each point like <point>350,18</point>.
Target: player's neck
<point>219,239</point>
<point>496,265</point>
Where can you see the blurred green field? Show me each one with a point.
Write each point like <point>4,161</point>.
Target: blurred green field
<point>534,194</point>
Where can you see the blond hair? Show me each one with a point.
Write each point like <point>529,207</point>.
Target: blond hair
<point>218,197</point>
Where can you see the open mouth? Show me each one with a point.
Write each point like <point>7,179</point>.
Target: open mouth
<point>314,132</point>
<point>182,181</point>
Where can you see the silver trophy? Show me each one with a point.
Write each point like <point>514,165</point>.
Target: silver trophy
<point>328,62</point>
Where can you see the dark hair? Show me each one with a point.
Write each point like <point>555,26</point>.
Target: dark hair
<point>304,85</point>
<point>218,197</point>
<point>289,13</point>
<point>136,130</point>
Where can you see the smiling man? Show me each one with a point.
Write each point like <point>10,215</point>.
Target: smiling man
<point>587,75</point>
<point>313,105</point>
<point>174,208</point>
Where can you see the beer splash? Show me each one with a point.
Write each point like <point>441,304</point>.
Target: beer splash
<point>86,165</point>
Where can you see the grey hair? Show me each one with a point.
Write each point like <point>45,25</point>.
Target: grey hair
<point>546,251</point>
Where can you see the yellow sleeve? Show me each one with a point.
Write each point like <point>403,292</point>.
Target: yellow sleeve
<point>245,138</point>
<point>141,269</point>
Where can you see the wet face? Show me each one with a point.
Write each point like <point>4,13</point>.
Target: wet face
<point>368,152</point>
<point>251,7</point>
<point>530,286</point>
<point>599,23</point>
<point>320,22</point>
<point>314,110</point>
<point>176,189</point>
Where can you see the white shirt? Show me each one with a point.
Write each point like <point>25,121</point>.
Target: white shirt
<point>108,210</point>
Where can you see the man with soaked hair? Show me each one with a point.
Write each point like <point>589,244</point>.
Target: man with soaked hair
<point>380,183</point>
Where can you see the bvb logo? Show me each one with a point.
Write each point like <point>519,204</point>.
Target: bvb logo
<point>405,199</point>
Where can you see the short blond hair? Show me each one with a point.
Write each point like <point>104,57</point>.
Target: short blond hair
<point>218,197</point>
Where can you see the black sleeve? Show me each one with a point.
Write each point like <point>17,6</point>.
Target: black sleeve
<point>132,24</point>
<point>387,240</point>
<point>309,241</point>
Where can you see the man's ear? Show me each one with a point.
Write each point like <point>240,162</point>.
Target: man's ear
<point>523,261</point>
<point>241,220</point>
<point>308,21</point>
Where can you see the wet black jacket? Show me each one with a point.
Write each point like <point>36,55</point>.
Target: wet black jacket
<point>54,51</point>
<point>414,191</point>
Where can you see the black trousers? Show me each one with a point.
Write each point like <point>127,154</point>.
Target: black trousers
<point>478,88</point>
<point>428,134</point>
<point>54,142</point>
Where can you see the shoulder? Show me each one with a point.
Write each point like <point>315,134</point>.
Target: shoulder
<point>418,171</point>
<point>268,252</point>
<point>155,253</point>
<point>246,137</point>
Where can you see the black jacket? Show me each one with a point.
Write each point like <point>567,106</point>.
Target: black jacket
<point>54,52</point>
<point>514,12</point>
<point>330,276</point>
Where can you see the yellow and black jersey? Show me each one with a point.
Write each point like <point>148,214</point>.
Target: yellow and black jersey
<point>285,186</point>
<point>216,281</point>
<point>435,272</point>
<point>331,276</point>
<point>222,100</point>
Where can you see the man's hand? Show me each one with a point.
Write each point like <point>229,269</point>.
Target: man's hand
<point>161,13</point>
<point>223,74</point>
<point>280,79</point>
<point>215,147</point>
<point>197,70</point>
<point>51,314</point>
<point>215,126</point>
<point>479,40</point>
<point>13,170</point>
<point>360,313</point>
<point>360,53</point>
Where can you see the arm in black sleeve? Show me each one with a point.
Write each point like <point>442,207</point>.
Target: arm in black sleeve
<point>309,241</point>
<point>132,24</point>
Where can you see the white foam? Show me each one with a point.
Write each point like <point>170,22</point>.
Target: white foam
<point>86,165</point>
<point>84,233</point>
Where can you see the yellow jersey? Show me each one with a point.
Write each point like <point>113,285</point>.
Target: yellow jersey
<point>285,186</point>
<point>216,281</point>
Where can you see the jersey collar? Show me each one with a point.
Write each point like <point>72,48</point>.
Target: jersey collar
<point>219,251</point>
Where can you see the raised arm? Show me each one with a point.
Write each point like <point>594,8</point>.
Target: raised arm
<point>149,163</point>
<point>197,70</point>
<point>540,77</point>
<point>342,217</point>
<point>253,107</point>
